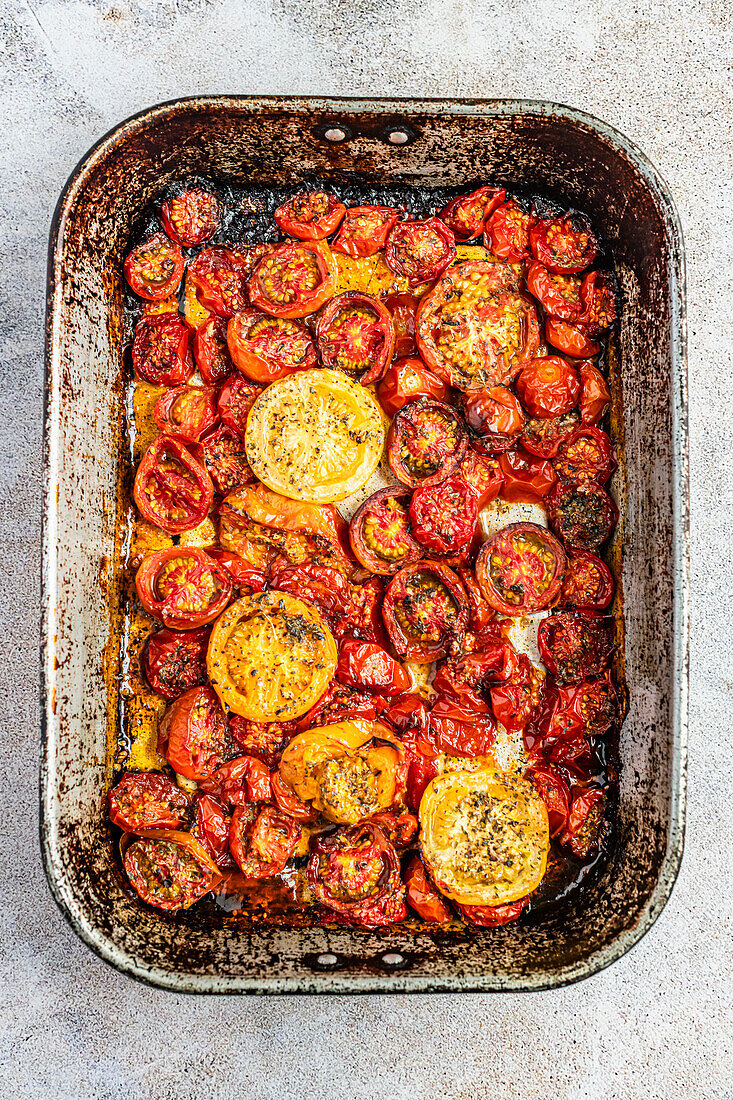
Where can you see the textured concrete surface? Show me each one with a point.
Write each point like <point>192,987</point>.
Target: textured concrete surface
<point>657,1024</point>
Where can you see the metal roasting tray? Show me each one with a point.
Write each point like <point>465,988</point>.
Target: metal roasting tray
<point>280,141</point>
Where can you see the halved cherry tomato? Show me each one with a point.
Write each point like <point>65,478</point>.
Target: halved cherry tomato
<point>520,569</point>
<point>211,828</point>
<point>187,411</point>
<point>340,702</point>
<point>564,245</point>
<point>526,478</point>
<point>480,614</point>
<point>147,800</point>
<point>588,455</point>
<point>402,309</point>
<point>572,340</point>
<point>466,679</point>
<point>583,515</point>
<point>585,821</point>
<point>420,251</point>
<point>160,350</point>
<point>506,233</point>
<point>461,730</point>
<point>288,801</point>
<point>407,379</point>
<point>543,437</point>
<point>595,395</point>
<point>319,584</point>
<point>264,741</point>
<point>310,215</point>
<point>355,873</point>
<point>266,348</point>
<point>154,268</point>
<point>236,398</point>
<point>443,517</point>
<point>239,781</point>
<point>425,611</point>
<point>380,533</point>
<point>226,459</point>
<point>423,897</point>
<point>175,661</point>
<point>495,415</point>
<point>588,584</point>
<point>575,647</point>
<point>493,916</point>
<point>191,217</point>
<point>516,700</point>
<point>193,734</point>
<point>243,576</point>
<point>587,709</point>
<point>465,215</point>
<point>183,587</point>
<point>368,666</point>
<point>169,869</point>
<point>219,277</point>
<point>366,613</point>
<point>172,489</point>
<point>555,794</point>
<point>598,293</point>
<point>355,334</point>
<point>474,328</point>
<point>548,386</point>
<point>559,295</point>
<point>426,442</point>
<point>262,843</point>
<point>211,350</point>
<point>364,230</point>
<point>400,829</point>
<point>293,279</point>
<point>482,473</point>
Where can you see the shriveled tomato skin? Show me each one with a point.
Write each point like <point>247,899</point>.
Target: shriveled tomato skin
<point>147,800</point>
<point>225,458</point>
<point>219,276</point>
<point>288,801</point>
<point>585,821</point>
<point>211,352</point>
<point>310,215</point>
<point>239,781</point>
<point>482,473</point>
<point>211,827</point>
<point>340,702</point>
<point>168,869</point>
<point>368,666</point>
<point>598,293</point>
<point>176,499</point>
<point>175,661</point>
<point>461,730</point>
<point>364,230</point>
<point>572,340</point>
<point>434,596</point>
<point>406,379</point>
<point>154,268</point>
<point>355,873</point>
<point>491,412</point>
<point>423,897</point>
<point>548,386</point>
<point>493,916</point>
<point>374,343</point>
<point>506,233</point>
<point>236,398</point>
<point>543,436</point>
<point>160,350</point>
<point>465,215</point>
<point>191,217</point>
<point>262,842</point>
<point>575,647</point>
<point>555,794</point>
<point>527,479</point>
<point>595,395</point>
<point>193,734</point>
<point>559,295</point>
<point>289,348</point>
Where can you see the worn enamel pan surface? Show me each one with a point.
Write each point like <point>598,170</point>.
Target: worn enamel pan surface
<point>538,145</point>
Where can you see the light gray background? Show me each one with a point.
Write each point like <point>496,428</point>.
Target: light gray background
<point>657,1024</point>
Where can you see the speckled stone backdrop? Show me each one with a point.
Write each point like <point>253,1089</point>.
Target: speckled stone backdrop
<point>656,1026</point>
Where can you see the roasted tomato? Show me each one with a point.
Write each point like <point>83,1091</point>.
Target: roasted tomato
<point>187,411</point>
<point>160,350</point>
<point>426,442</point>
<point>444,516</point>
<point>147,800</point>
<point>595,395</point>
<point>425,611</point>
<point>548,386</point>
<point>575,647</point>
<point>585,821</point>
<point>465,679</point>
<point>183,587</point>
<point>588,583</point>
<point>506,232</point>
<point>169,869</point>
<point>270,657</point>
<point>211,828</point>
<point>193,734</point>
<point>564,245</point>
<point>355,334</point>
<point>211,351</point>
<point>293,280</point>
<point>355,873</point>
<point>400,828</point>
<point>239,781</point>
<point>484,836</point>
<point>340,702</point>
<point>515,701</point>
<point>420,251</point>
<point>587,709</point>
<point>474,328</point>
<point>380,533</point>
<point>483,474</point>
<point>365,620</point>
<point>262,843</point>
<point>459,729</point>
<point>583,515</point>
<point>368,666</point>
<point>598,293</point>
<point>236,398</point>
<point>494,414</point>
<point>543,437</point>
<point>265,348</point>
<point>559,295</point>
<point>402,309</point>
<point>587,455</point>
<point>493,916</point>
<point>407,379</point>
<point>572,340</point>
<point>310,215</point>
<point>520,569</point>
<point>288,801</point>
<point>264,741</point>
<point>554,793</point>
<point>465,215</point>
<point>527,479</point>
<point>172,490</point>
<point>364,230</point>
<point>226,459</point>
<point>176,661</point>
<point>154,268</point>
<point>422,895</point>
<point>191,217</point>
<point>319,584</point>
<point>219,277</point>
<point>480,614</point>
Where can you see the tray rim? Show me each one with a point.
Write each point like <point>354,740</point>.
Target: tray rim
<point>335,982</point>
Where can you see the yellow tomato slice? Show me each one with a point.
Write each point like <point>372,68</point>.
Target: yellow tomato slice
<point>270,657</point>
<point>484,836</point>
<point>315,436</point>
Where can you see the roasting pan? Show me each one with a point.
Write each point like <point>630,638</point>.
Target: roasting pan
<point>552,149</point>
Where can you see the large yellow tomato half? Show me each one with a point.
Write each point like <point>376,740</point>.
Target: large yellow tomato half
<point>315,436</point>
<point>270,657</point>
<point>484,836</point>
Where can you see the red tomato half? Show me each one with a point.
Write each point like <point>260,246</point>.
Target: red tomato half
<point>147,800</point>
<point>402,308</point>
<point>187,411</point>
<point>423,897</point>
<point>211,351</point>
<point>175,661</point>
<point>154,268</point>
<point>288,801</point>
<point>266,348</point>
<point>236,398</point>
<point>426,442</point>
<point>169,869</point>
<point>595,395</point>
<point>368,666</point>
<point>506,233</point>
<point>564,245</point>
<point>310,215</point>
<point>172,489</point>
<point>225,457</point>
<point>482,473</point>
<point>293,280</point>
<point>465,215</point>
<point>493,916</point>
<point>585,821</point>
<point>262,741</point>
<point>160,350</point>
<point>183,587</point>
<point>425,611</point>
<point>527,479</point>
<point>364,230</point>
<point>193,734</point>
<point>420,251</point>
<point>575,647</point>
<point>191,217</point>
<point>572,340</point>
<point>443,517</point>
<point>339,702</point>
<point>598,293</point>
<point>461,730</point>
<point>380,532</point>
<point>262,843</point>
<point>588,583</point>
<point>355,873</point>
<point>520,569</point>
<point>239,781</point>
<point>588,455</point>
<point>548,386</point>
<point>495,415</point>
<point>583,515</point>
<point>559,295</point>
<point>516,701</point>
<point>355,334</point>
<point>219,277</point>
<point>407,379</point>
<point>555,794</point>
<point>211,827</point>
<point>544,436</point>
